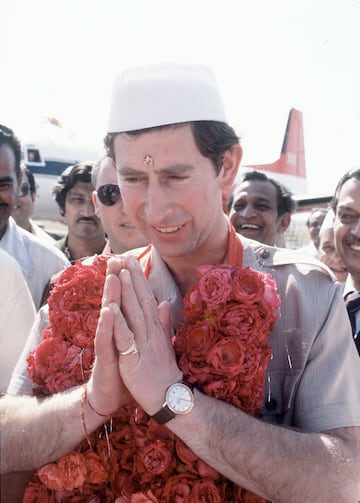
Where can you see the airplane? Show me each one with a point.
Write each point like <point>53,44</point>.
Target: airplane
<point>289,168</point>
<point>47,151</point>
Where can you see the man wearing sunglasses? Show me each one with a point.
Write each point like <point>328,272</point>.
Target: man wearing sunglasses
<point>121,232</point>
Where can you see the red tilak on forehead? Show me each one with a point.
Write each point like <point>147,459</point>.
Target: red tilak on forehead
<point>148,160</point>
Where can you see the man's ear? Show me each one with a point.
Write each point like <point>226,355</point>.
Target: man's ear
<point>95,203</point>
<point>284,222</point>
<point>229,170</point>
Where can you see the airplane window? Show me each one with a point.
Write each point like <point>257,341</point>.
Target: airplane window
<point>33,155</point>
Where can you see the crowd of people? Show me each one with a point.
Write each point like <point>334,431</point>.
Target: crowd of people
<point>210,363</point>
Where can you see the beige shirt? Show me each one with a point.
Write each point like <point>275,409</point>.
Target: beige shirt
<point>312,380</point>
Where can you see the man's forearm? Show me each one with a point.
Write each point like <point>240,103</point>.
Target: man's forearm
<point>38,431</point>
<point>276,463</point>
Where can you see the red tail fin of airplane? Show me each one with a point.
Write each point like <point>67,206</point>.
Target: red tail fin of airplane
<point>291,162</point>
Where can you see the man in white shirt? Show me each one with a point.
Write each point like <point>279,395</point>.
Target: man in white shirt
<point>17,314</point>
<point>38,260</point>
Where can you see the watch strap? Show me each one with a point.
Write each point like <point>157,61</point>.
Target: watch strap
<point>163,415</point>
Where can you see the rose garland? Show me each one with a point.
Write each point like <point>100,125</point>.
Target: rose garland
<point>221,348</point>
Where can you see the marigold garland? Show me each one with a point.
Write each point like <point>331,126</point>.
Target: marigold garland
<point>221,348</point>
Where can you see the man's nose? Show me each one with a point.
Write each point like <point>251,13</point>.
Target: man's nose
<point>157,203</point>
<point>88,208</point>
<point>247,211</point>
<point>356,227</point>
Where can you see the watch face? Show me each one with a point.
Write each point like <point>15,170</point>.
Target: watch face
<point>179,398</point>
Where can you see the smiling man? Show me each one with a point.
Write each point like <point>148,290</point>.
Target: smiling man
<point>121,232</point>
<point>260,208</point>
<point>176,156</point>
<point>38,260</point>
<point>346,205</point>
<point>73,194</point>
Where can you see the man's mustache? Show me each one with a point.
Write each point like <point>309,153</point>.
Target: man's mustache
<point>87,219</point>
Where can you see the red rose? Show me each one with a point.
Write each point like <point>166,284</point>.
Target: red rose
<point>37,493</point>
<point>95,471</point>
<point>68,473</point>
<point>247,286</point>
<point>239,320</point>
<point>46,358</point>
<point>222,389</point>
<point>178,488</point>
<point>144,498</point>
<point>205,490</point>
<point>197,341</point>
<point>154,459</point>
<point>226,357</point>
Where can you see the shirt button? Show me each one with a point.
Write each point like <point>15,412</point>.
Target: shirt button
<point>271,404</point>
<point>264,253</point>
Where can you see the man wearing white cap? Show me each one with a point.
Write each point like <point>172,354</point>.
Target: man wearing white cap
<point>176,156</point>
<point>172,179</point>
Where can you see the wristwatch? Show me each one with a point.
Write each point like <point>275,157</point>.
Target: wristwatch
<point>179,399</point>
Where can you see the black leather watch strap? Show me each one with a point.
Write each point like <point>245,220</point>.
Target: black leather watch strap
<point>163,415</point>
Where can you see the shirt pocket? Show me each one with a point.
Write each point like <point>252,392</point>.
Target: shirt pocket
<point>280,392</point>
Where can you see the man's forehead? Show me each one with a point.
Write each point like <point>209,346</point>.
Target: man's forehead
<point>80,187</point>
<point>350,191</point>
<point>256,188</point>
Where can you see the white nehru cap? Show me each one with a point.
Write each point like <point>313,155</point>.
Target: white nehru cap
<point>161,94</point>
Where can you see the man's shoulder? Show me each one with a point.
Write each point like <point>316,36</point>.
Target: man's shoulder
<point>36,245</point>
<point>261,255</point>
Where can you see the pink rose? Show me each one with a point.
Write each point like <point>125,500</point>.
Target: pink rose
<point>215,285</point>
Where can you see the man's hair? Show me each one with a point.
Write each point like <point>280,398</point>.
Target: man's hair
<point>29,174</point>
<point>315,210</point>
<point>7,137</point>
<point>353,173</point>
<point>285,201</point>
<point>96,169</point>
<point>212,138</point>
<point>80,172</point>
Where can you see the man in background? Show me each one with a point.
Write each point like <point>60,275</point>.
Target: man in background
<point>73,194</point>
<point>38,260</point>
<point>260,208</point>
<point>313,224</point>
<point>346,205</point>
<point>327,250</point>
<point>24,209</point>
<point>121,232</point>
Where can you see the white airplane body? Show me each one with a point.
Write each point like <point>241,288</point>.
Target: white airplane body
<point>51,150</point>
<point>47,154</point>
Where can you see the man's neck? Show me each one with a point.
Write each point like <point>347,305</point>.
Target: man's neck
<point>81,248</point>
<point>355,279</point>
<point>183,269</point>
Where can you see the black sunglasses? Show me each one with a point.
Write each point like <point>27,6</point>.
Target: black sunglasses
<point>109,194</point>
<point>24,189</point>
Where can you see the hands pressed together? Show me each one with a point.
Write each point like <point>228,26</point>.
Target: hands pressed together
<point>131,322</point>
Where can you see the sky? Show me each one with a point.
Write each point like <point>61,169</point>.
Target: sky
<point>61,58</point>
